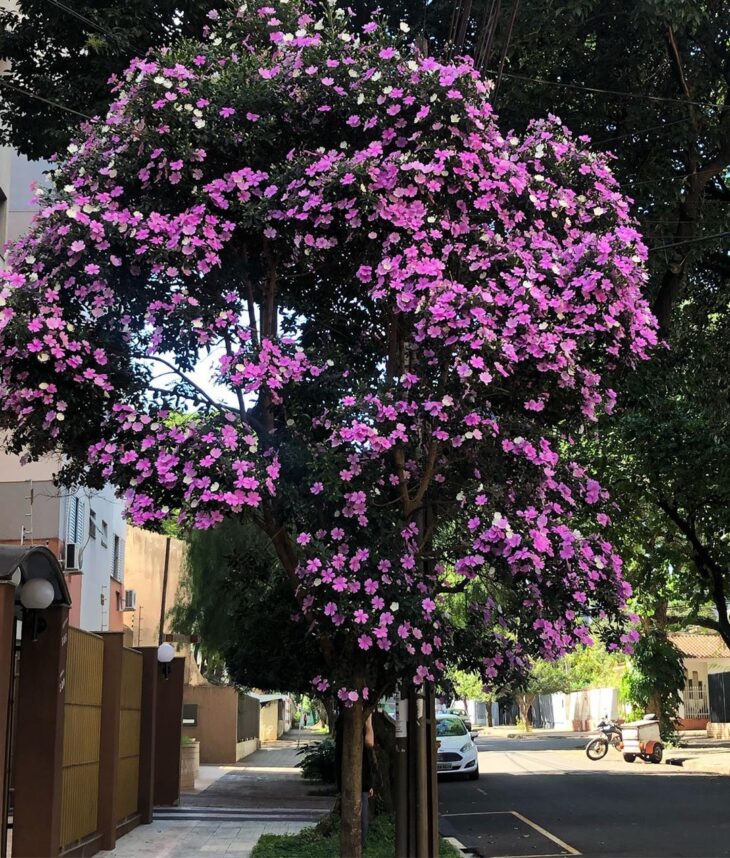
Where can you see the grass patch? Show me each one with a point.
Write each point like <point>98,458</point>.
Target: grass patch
<point>323,841</point>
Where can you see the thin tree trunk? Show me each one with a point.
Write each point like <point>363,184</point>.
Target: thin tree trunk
<point>351,792</point>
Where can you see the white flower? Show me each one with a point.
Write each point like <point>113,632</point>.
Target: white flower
<point>404,28</point>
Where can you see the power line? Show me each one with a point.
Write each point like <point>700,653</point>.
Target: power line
<point>30,94</point>
<point>581,88</point>
<point>81,17</point>
<point>691,240</point>
<point>641,131</point>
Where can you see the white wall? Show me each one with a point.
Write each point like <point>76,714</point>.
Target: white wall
<point>96,549</point>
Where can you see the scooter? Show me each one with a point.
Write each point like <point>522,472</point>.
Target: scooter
<point>611,734</point>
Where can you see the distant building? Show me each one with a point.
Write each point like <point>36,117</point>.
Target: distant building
<point>704,656</point>
<point>146,587</point>
<point>85,529</point>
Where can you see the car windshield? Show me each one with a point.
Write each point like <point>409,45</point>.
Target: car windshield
<point>450,727</point>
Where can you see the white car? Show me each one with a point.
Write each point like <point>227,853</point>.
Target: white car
<point>457,754</point>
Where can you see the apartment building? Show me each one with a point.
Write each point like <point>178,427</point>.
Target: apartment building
<point>85,529</point>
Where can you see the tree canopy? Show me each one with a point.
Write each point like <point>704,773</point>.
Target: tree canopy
<point>61,57</point>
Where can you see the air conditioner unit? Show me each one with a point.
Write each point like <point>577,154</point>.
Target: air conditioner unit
<point>71,559</point>
<point>130,600</point>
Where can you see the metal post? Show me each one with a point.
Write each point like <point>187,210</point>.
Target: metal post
<point>164,590</point>
<point>401,776</point>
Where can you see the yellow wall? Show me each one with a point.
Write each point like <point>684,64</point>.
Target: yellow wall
<point>217,722</point>
<point>269,729</point>
<point>144,562</point>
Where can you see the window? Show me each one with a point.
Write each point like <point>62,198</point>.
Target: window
<point>75,527</point>
<point>116,556</point>
<point>92,524</point>
<point>104,533</point>
<point>190,715</point>
<point>450,727</point>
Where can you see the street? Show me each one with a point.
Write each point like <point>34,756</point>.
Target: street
<point>543,797</point>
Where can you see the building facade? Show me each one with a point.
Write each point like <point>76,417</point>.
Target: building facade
<point>85,529</point>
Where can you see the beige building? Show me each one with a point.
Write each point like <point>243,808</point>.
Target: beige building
<point>704,655</point>
<point>150,590</point>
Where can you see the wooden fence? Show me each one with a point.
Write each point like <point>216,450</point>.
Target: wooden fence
<point>89,727</point>
<point>81,736</point>
<point>129,733</point>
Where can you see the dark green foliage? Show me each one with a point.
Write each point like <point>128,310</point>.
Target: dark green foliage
<point>655,680</point>
<point>318,761</point>
<point>64,59</point>
<point>237,599</point>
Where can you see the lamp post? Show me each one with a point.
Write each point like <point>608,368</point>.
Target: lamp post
<point>36,595</point>
<point>165,654</point>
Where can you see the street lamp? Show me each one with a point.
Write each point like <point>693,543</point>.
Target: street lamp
<point>36,595</point>
<point>165,654</point>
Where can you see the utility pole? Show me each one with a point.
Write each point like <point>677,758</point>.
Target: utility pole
<point>164,589</point>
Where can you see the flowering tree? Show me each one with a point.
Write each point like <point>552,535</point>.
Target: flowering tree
<point>405,310</point>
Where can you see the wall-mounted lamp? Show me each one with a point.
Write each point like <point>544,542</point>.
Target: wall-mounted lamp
<point>36,595</point>
<point>165,655</point>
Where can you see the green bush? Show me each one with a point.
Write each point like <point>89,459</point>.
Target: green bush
<point>323,842</point>
<point>318,763</point>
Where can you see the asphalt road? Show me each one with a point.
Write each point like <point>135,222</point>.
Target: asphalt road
<point>543,797</point>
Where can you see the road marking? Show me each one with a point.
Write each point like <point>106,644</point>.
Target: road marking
<point>561,843</point>
<point>556,840</point>
<point>480,813</point>
<point>482,791</point>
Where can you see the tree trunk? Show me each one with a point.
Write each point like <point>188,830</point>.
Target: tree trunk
<point>351,792</point>
<point>524,701</point>
<point>384,758</point>
<point>330,717</point>
<point>490,719</point>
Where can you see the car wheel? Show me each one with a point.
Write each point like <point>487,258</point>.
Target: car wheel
<point>474,776</point>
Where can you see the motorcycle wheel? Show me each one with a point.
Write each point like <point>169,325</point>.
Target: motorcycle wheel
<point>657,753</point>
<point>596,749</point>
<point>629,758</point>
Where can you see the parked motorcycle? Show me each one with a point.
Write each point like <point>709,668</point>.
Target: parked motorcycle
<point>611,734</point>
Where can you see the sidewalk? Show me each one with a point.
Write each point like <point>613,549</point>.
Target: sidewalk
<point>232,807</point>
<point>697,753</point>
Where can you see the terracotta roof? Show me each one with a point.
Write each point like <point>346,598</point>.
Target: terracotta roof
<point>700,646</point>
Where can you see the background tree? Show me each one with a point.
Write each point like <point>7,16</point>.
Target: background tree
<point>236,597</point>
<point>655,680</point>
<point>545,677</point>
<point>62,56</point>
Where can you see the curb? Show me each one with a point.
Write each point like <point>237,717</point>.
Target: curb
<point>457,844</point>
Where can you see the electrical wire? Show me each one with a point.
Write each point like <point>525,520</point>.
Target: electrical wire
<point>29,94</point>
<point>641,131</point>
<point>690,241</point>
<point>81,17</point>
<point>597,90</point>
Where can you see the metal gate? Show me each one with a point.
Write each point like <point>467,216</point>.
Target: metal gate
<point>695,701</point>
<point>719,694</point>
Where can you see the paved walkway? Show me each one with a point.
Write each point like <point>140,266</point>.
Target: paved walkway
<point>263,794</point>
